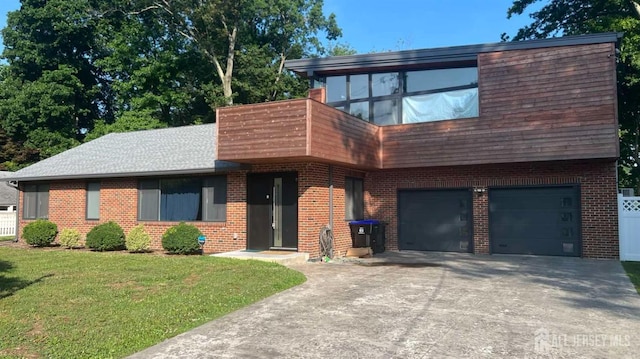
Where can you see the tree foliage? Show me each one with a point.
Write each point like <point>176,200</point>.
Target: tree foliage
<point>573,17</point>
<point>78,69</point>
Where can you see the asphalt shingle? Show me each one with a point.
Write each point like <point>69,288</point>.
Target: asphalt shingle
<point>188,149</point>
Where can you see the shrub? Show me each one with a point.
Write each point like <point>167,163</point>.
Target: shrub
<point>107,236</point>
<point>138,239</point>
<point>40,233</point>
<point>181,239</point>
<point>69,238</point>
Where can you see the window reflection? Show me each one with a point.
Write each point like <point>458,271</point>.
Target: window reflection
<point>421,96</point>
<point>385,112</point>
<point>359,86</point>
<point>384,84</point>
<point>336,88</point>
<point>360,110</point>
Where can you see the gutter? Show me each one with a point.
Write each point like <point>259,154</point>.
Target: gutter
<point>132,174</point>
<point>15,185</point>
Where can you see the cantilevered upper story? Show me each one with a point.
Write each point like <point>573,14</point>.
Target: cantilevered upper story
<point>527,101</point>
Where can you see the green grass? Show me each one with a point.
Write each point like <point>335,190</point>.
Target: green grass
<point>7,238</point>
<point>633,271</point>
<point>71,304</point>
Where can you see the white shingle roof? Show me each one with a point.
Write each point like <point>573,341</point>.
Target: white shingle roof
<point>188,149</point>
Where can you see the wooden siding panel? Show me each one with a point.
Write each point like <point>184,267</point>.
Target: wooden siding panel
<point>262,131</point>
<point>535,105</point>
<point>296,129</point>
<point>337,136</point>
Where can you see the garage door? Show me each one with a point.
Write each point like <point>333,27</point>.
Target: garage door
<point>435,220</point>
<point>542,221</point>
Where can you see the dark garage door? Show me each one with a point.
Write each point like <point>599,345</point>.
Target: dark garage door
<point>542,221</point>
<point>435,220</point>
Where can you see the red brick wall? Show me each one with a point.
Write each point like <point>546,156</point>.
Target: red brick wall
<point>597,180</point>
<point>118,202</point>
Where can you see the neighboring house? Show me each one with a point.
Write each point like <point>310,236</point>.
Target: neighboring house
<point>495,148</point>
<point>8,194</point>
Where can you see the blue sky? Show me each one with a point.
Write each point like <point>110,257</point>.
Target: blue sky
<point>377,25</point>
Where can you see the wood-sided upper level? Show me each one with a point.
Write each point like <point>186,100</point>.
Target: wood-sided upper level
<point>296,130</point>
<point>553,100</point>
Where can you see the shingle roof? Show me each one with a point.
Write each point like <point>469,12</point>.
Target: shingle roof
<point>8,194</point>
<point>188,149</point>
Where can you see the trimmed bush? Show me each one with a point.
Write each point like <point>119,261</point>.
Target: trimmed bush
<point>181,239</point>
<point>40,233</point>
<point>138,239</point>
<point>69,238</point>
<point>107,236</point>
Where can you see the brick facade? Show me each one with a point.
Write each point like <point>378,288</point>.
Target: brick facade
<point>119,201</point>
<point>596,179</point>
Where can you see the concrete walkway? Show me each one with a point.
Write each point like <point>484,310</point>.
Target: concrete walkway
<point>423,305</point>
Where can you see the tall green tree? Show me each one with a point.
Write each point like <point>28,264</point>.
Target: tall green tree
<point>573,17</point>
<point>273,30</point>
<point>52,91</point>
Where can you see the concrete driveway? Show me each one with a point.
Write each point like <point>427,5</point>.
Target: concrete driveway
<point>422,305</point>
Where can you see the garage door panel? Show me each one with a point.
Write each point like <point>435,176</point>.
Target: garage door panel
<point>542,221</point>
<point>434,220</point>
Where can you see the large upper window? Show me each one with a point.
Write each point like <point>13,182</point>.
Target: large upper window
<point>183,199</point>
<point>35,201</point>
<point>406,97</point>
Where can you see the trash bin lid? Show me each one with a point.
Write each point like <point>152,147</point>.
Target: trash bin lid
<point>365,221</point>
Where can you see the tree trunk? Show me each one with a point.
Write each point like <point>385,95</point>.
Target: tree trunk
<point>636,5</point>
<point>283,58</point>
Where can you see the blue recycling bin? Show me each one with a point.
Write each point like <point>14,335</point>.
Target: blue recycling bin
<point>368,233</point>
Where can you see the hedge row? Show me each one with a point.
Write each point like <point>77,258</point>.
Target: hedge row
<point>109,236</point>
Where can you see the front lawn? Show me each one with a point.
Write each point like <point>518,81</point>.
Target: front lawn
<point>633,271</point>
<point>70,304</point>
<point>7,238</point>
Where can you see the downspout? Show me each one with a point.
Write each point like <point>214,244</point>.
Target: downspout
<point>331,197</point>
<point>10,184</point>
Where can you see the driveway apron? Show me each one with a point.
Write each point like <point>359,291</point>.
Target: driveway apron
<point>422,305</point>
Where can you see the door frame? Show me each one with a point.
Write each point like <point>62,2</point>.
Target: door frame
<point>271,176</point>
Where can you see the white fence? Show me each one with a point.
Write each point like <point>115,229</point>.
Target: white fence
<point>7,223</point>
<point>629,223</point>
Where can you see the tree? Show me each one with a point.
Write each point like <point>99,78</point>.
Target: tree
<point>573,17</point>
<point>273,29</point>
<point>51,92</point>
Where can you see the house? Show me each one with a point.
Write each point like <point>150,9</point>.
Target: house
<point>8,194</point>
<point>493,148</point>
